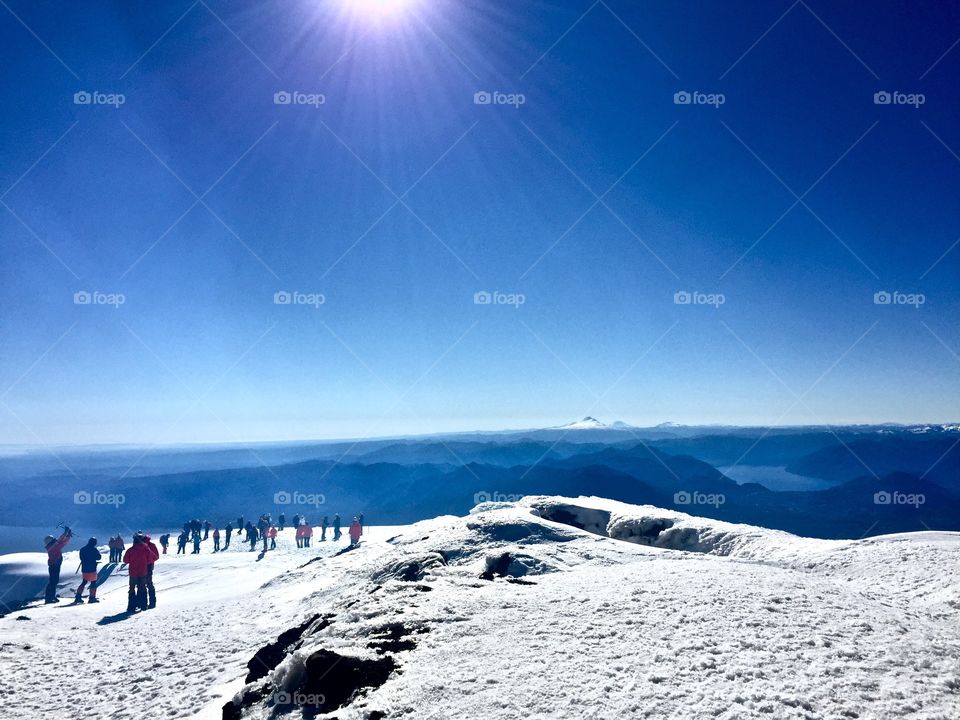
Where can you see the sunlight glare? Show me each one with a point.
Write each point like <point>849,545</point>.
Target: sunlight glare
<point>377,9</point>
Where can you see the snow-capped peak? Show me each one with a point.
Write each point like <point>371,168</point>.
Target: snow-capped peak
<point>587,423</point>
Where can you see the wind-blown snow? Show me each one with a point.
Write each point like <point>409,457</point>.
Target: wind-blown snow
<point>644,612</point>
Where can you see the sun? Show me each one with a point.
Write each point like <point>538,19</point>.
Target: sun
<point>377,9</point>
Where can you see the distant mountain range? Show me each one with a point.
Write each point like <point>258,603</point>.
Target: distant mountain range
<point>883,478</point>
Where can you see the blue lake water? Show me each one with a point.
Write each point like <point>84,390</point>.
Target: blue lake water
<point>773,478</point>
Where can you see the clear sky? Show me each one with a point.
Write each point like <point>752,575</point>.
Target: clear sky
<point>781,198</point>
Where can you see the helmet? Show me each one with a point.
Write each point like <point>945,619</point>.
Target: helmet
<point>49,540</point>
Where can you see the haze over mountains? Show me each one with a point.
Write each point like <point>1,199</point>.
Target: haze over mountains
<point>870,479</point>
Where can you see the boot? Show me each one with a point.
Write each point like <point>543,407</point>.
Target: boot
<point>78,599</point>
<point>131,602</point>
<point>92,600</point>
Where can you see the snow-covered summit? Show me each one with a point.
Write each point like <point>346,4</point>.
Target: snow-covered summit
<point>549,607</point>
<point>587,423</point>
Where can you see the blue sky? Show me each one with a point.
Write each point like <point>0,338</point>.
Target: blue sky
<point>398,197</point>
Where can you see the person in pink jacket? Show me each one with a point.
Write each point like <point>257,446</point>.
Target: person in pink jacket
<point>356,530</point>
<point>54,547</point>
<point>272,534</point>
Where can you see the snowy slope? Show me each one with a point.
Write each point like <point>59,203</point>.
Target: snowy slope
<point>642,612</point>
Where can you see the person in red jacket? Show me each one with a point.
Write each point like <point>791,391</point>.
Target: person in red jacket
<point>272,534</point>
<point>356,530</point>
<point>54,547</point>
<point>307,534</point>
<point>300,535</point>
<point>137,558</point>
<point>151,590</point>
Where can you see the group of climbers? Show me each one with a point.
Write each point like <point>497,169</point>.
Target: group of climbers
<point>141,556</point>
<point>116,548</point>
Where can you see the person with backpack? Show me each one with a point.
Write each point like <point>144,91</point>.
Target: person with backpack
<point>182,543</point>
<point>251,536</point>
<point>229,532</point>
<point>89,558</point>
<point>54,547</point>
<point>263,526</point>
<point>164,541</point>
<point>120,548</point>
<point>216,539</point>
<point>336,527</point>
<point>137,558</point>
<point>155,554</point>
<point>323,529</point>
